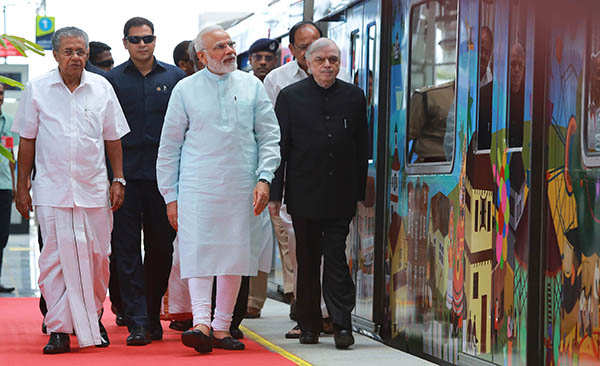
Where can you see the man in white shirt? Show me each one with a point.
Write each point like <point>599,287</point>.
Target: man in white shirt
<point>302,35</point>
<point>67,119</point>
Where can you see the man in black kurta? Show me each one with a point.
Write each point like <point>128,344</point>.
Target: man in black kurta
<point>323,169</point>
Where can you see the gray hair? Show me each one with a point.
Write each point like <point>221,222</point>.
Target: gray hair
<point>318,44</point>
<point>193,56</point>
<point>68,32</point>
<point>199,41</point>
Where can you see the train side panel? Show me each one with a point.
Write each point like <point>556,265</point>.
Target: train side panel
<point>457,230</point>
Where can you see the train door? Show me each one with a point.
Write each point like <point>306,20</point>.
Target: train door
<point>571,322</point>
<point>367,73</point>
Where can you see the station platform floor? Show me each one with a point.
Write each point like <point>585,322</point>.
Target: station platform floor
<point>20,270</point>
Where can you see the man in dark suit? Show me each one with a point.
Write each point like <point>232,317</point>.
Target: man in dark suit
<point>323,169</point>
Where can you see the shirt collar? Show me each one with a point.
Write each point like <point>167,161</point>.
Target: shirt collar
<point>214,76</point>
<point>55,78</point>
<point>156,66</point>
<point>298,70</point>
<point>330,89</point>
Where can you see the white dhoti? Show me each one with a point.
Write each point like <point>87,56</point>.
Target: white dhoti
<point>176,303</point>
<point>74,268</point>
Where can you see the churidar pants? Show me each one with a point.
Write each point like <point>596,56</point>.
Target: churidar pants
<point>201,293</point>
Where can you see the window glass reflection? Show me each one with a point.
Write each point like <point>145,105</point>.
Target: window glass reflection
<point>431,122</point>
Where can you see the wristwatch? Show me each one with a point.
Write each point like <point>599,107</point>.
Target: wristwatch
<point>264,181</point>
<point>120,180</point>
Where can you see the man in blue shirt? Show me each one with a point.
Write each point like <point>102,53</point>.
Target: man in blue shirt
<point>143,86</point>
<point>7,181</point>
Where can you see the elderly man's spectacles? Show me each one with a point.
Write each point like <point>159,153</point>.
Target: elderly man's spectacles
<point>222,46</point>
<point>138,39</point>
<point>69,52</point>
<point>321,60</point>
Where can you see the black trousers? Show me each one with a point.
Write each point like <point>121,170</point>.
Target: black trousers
<point>142,285</point>
<point>113,283</point>
<point>5,207</point>
<point>241,303</point>
<point>325,237</point>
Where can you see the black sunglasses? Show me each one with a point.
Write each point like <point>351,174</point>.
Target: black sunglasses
<point>138,39</point>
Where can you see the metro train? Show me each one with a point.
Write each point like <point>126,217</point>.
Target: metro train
<point>479,240</point>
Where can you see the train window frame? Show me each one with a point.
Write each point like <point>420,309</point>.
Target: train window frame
<point>479,150</point>
<point>441,167</point>
<point>589,159</point>
<point>371,55</point>
<point>511,21</point>
<point>354,35</point>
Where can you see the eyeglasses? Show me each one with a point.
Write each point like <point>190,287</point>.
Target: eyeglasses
<point>106,63</point>
<point>222,46</point>
<point>267,58</point>
<point>138,39</point>
<point>79,52</point>
<point>321,60</point>
<point>303,47</point>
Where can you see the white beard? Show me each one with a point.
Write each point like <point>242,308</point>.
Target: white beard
<point>219,67</point>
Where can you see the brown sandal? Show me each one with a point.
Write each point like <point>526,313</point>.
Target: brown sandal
<point>294,333</point>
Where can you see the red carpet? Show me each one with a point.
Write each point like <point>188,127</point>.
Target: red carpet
<point>21,343</point>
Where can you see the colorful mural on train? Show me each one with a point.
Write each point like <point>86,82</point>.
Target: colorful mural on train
<point>458,231</point>
<point>573,265</point>
<point>457,242</point>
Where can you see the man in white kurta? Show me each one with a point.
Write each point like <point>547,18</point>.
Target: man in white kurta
<point>67,120</point>
<point>218,152</point>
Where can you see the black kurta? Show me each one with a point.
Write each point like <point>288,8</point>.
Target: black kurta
<point>324,142</point>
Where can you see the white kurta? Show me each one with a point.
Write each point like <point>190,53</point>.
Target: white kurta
<point>70,194</point>
<point>219,137</point>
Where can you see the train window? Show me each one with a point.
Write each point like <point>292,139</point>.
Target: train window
<point>486,47</point>
<point>591,129</point>
<point>516,95</point>
<point>432,75</point>
<point>371,62</point>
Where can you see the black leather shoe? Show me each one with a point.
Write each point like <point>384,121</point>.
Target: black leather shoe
<point>6,289</point>
<point>228,343</point>
<point>58,343</point>
<point>181,325</point>
<point>309,337</point>
<point>103,335</point>
<point>120,320</point>
<point>343,338</point>
<point>197,340</point>
<point>138,337</point>
<point>156,332</point>
<point>236,333</point>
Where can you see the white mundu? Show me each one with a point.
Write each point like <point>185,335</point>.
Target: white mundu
<point>70,194</point>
